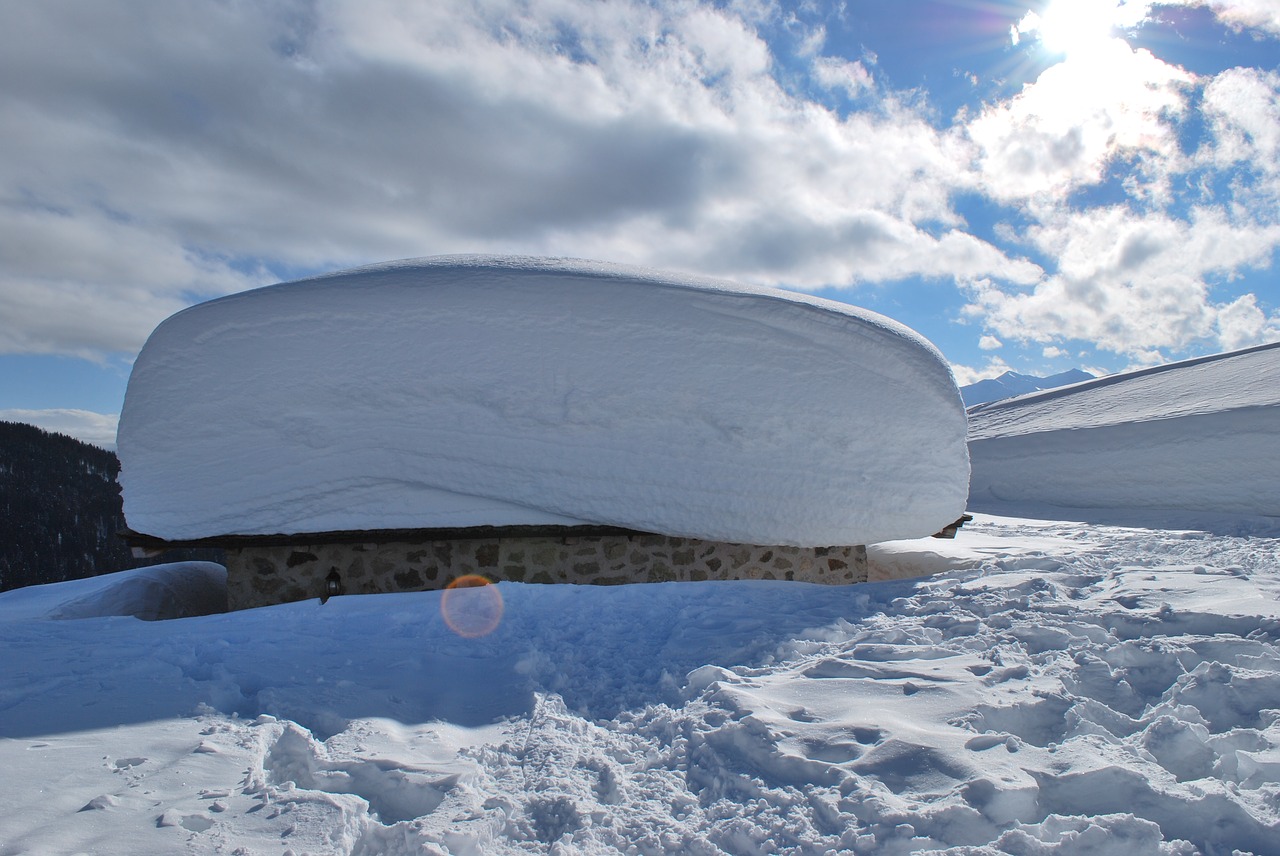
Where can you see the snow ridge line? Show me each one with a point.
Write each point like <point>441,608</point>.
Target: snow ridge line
<point>988,407</point>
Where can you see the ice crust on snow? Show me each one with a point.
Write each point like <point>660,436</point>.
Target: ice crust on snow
<point>1055,688</point>
<point>1199,435</point>
<point>480,390</point>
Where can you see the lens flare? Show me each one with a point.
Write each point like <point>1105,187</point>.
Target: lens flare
<point>471,606</point>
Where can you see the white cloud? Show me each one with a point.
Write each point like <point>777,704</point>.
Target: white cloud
<point>1150,275</point>
<point>90,283</point>
<point>965,375</point>
<point>1134,284</point>
<point>1052,352</point>
<point>836,73</point>
<point>1262,15</point>
<point>156,148</point>
<point>159,154</point>
<point>1242,323</point>
<point>87,426</point>
<point>1061,131</point>
<point>990,343</point>
<point>1242,109</point>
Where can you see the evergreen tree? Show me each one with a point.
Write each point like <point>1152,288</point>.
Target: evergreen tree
<point>61,510</point>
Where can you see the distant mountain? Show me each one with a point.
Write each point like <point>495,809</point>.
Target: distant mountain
<point>60,510</point>
<point>1010,384</point>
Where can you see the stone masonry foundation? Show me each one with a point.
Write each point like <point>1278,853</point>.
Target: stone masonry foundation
<point>265,575</point>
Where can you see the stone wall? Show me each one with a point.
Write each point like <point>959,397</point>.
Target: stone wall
<point>263,575</point>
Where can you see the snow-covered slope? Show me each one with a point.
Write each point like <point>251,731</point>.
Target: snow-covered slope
<point>1010,384</point>
<point>460,391</point>
<point>1057,689</point>
<point>1198,435</point>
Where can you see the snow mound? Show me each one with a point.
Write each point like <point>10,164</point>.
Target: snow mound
<point>474,390</point>
<point>155,593</point>
<point>1197,435</point>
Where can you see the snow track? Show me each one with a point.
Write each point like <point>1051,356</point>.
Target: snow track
<point>1061,688</point>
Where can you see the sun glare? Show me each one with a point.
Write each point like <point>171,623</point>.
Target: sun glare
<point>1072,26</point>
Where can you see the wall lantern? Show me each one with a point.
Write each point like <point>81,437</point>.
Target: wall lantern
<point>332,585</point>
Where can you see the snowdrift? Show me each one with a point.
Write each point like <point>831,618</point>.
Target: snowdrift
<point>1198,435</point>
<point>468,391</point>
<point>154,593</point>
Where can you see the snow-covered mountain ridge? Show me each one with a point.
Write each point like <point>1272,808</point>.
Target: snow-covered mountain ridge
<point>1012,383</point>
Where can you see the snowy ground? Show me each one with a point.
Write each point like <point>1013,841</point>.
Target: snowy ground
<point>1054,688</point>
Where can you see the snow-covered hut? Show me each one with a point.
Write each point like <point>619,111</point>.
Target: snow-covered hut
<point>393,427</point>
<point>1198,435</point>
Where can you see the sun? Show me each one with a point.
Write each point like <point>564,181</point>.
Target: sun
<point>1072,26</point>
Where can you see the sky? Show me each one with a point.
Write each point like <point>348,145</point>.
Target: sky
<point>1033,186</point>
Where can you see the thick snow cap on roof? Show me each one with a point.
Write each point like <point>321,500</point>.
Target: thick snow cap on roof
<point>475,390</point>
<point>1198,435</point>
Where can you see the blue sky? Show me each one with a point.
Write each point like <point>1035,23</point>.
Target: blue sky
<point>1034,186</point>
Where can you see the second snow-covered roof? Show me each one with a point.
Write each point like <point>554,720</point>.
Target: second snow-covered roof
<point>1230,381</point>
